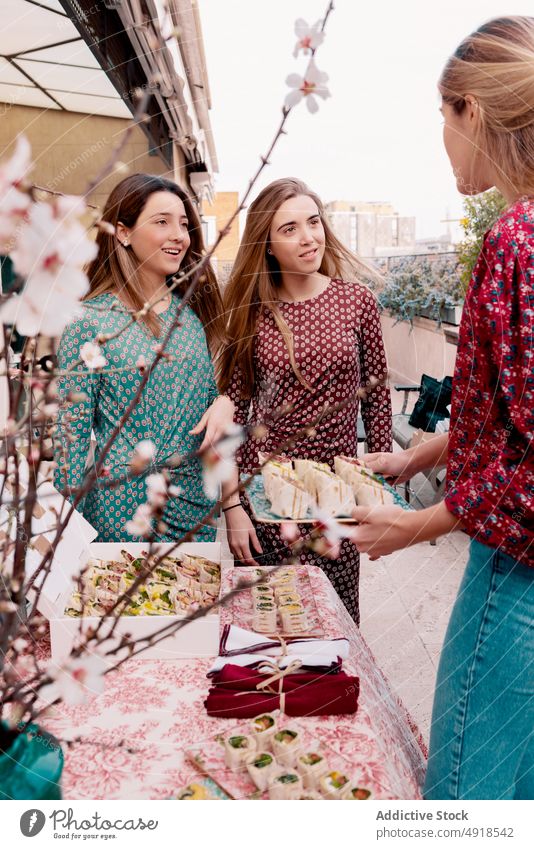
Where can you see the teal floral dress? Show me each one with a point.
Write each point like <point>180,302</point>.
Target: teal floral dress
<point>176,396</point>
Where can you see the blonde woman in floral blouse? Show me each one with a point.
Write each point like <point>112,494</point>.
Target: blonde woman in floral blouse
<point>482,738</point>
<point>155,232</point>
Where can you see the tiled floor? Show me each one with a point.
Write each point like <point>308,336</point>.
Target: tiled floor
<point>405,602</point>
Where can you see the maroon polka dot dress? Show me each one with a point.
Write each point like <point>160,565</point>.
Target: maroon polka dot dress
<point>338,348</point>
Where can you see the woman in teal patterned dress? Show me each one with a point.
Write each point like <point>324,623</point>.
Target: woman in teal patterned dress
<point>155,231</point>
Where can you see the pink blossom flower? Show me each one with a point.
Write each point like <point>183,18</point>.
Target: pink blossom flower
<point>140,525</point>
<point>146,449</point>
<point>34,454</point>
<point>76,680</point>
<point>330,534</point>
<point>52,247</point>
<point>50,410</point>
<point>92,355</point>
<point>106,227</point>
<point>218,460</point>
<point>156,490</point>
<point>310,86</point>
<point>309,38</point>
<point>141,363</point>
<point>14,204</point>
<point>144,454</point>
<point>289,532</point>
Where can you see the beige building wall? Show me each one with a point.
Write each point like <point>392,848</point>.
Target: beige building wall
<point>377,207</point>
<point>70,148</point>
<point>222,208</point>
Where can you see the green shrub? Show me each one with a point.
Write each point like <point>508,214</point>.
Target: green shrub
<point>418,283</point>
<point>481,212</point>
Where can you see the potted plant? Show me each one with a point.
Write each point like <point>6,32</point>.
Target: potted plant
<point>423,286</point>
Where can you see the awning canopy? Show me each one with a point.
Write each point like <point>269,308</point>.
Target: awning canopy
<point>82,56</point>
<point>45,62</point>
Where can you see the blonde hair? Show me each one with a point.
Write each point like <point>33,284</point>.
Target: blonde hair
<point>252,286</point>
<point>495,65</point>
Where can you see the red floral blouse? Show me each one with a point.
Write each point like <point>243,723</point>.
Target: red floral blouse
<point>490,472</point>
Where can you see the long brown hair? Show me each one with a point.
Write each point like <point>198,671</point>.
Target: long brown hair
<point>116,270</point>
<point>495,64</point>
<point>252,286</point>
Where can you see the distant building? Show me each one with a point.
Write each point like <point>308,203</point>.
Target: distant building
<point>215,215</point>
<point>435,245</point>
<point>372,228</point>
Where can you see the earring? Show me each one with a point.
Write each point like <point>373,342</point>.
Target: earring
<point>125,243</point>
<point>269,251</point>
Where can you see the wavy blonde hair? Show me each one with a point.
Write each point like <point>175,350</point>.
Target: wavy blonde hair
<point>252,286</point>
<point>495,65</point>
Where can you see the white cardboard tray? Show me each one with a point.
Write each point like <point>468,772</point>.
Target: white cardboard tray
<point>197,639</point>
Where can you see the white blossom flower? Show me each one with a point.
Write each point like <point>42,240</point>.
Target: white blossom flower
<point>106,227</point>
<point>76,680</point>
<point>146,449</point>
<point>144,453</point>
<point>156,490</point>
<point>52,247</point>
<point>51,410</point>
<point>218,460</point>
<point>13,171</point>
<point>289,531</point>
<point>140,525</point>
<point>330,534</point>
<point>310,86</point>
<point>92,355</point>
<point>309,38</point>
<point>14,204</point>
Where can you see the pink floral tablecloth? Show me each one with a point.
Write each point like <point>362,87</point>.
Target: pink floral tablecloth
<point>156,708</point>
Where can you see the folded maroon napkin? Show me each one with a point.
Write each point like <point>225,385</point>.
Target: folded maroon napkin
<point>259,662</point>
<point>303,694</point>
<point>234,677</point>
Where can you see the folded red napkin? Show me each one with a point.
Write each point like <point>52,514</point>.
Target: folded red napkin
<point>304,694</point>
<point>233,677</point>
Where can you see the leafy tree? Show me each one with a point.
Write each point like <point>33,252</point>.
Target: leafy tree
<point>481,212</point>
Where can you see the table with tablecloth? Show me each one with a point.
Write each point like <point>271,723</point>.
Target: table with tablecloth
<point>135,734</point>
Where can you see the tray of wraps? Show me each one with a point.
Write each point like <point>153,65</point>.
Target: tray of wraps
<point>302,490</point>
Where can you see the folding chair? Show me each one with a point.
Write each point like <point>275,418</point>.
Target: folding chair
<point>403,433</point>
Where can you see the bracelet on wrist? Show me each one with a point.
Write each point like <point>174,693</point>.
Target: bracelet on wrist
<point>226,509</point>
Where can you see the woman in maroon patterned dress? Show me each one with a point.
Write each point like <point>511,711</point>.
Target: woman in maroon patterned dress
<point>301,339</point>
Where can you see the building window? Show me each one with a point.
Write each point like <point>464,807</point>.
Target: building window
<point>209,229</point>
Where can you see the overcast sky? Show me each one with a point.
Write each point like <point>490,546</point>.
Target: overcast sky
<point>379,136</point>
